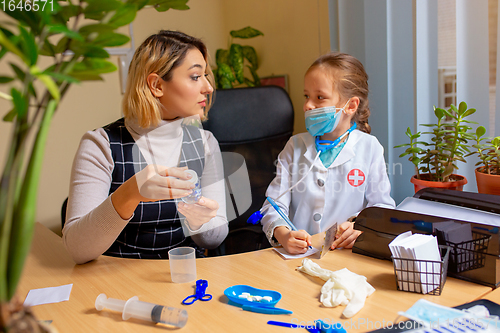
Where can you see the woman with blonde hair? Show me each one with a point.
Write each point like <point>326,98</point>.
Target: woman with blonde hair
<point>128,176</point>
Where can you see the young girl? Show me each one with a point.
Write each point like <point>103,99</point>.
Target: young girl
<point>348,175</point>
<point>127,176</point>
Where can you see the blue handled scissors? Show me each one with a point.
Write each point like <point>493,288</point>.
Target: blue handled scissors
<point>201,287</point>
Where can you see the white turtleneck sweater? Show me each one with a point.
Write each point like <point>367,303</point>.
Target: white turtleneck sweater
<point>92,223</point>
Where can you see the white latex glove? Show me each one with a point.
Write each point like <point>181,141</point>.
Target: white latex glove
<point>331,297</point>
<point>312,268</point>
<point>355,287</point>
<point>342,287</point>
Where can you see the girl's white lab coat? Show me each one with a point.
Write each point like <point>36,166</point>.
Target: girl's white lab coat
<point>355,180</point>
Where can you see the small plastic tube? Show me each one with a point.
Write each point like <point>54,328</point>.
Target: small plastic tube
<point>133,308</point>
<point>196,193</point>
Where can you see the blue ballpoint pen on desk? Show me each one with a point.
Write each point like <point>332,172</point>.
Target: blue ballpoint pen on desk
<point>283,215</point>
<point>265,309</point>
<point>318,327</point>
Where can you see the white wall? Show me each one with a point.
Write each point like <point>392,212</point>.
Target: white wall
<point>296,32</point>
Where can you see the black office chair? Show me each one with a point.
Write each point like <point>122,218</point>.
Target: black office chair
<point>63,212</point>
<point>256,123</point>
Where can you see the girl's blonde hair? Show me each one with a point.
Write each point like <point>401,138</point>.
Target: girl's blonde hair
<point>350,79</point>
<point>160,53</point>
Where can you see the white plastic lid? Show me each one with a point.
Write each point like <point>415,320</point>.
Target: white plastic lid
<point>194,178</point>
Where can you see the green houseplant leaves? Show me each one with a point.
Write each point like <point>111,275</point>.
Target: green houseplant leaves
<point>488,152</point>
<point>73,35</point>
<point>231,63</point>
<point>447,146</point>
<point>246,33</point>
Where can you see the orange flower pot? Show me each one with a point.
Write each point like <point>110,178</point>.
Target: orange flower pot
<point>487,184</point>
<point>423,182</point>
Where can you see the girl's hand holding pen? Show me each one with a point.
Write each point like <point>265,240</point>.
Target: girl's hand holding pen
<point>294,242</point>
<point>346,236</point>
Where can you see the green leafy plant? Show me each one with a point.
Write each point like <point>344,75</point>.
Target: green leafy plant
<point>231,62</point>
<point>488,152</point>
<point>72,36</point>
<point>413,150</point>
<point>449,136</point>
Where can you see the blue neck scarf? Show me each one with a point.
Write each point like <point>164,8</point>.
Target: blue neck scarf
<point>321,147</point>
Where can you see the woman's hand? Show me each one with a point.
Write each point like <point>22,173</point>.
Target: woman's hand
<point>294,242</point>
<point>152,183</point>
<point>156,182</point>
<point>346,236</point>
<point>199,213</point>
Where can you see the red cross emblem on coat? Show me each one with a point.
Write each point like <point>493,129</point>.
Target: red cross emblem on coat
<point>356,177</point>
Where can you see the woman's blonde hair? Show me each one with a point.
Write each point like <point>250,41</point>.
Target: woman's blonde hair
<point>160,53</point>
<point>350,79</point>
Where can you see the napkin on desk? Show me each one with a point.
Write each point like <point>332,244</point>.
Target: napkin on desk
<point>285,255</point>
<point>417,247</point>
<point>48,295</point>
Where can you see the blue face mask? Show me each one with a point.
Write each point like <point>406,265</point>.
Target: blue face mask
<point>430,314</point>
<point>323,120</point>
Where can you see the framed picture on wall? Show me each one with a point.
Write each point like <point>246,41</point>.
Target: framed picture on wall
<point>275,80</point>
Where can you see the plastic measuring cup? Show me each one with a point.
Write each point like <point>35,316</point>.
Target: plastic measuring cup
<point>133,308</point>
<point>182,264</point>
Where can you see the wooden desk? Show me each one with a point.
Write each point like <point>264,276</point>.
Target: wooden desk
<point>493,295</point>
<point>49,265</point>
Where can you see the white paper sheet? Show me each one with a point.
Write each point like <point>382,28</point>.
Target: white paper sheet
<point>417,247</point>
<point>427,207</point>
<point>401,266</point>
<point>48,295</point>
<point>425,248</point>
<point>285,255</point>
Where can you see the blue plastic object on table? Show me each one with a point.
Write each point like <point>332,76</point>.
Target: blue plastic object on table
<point>319,326</point>
<point>201,287</point>
<point>265,309</point>
<point>322,327</point>
<point>234,292</point>
<point>268,307</point>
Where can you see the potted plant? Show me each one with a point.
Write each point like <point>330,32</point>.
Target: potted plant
<point>488,168</point>
<point>436,162</point>
<point>230,63</point>
<point>72,37</point>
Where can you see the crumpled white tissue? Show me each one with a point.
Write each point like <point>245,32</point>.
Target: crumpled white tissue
<point>342,287</point>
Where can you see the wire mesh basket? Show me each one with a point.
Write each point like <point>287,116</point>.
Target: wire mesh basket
<point>422,276</point>
<point>469,255</point>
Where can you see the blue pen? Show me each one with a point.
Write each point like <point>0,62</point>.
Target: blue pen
<point>265,309</point>
<point>311,329</point>
<point>278,209</point>
<point>283,324</point>
<point>287,220</point>
<point>319,326</point>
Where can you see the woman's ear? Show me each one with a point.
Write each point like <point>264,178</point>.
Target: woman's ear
<point>352,107</point>
<point>155,85</point>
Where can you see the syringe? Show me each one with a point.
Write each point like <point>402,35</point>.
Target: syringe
<point>133,308</point>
